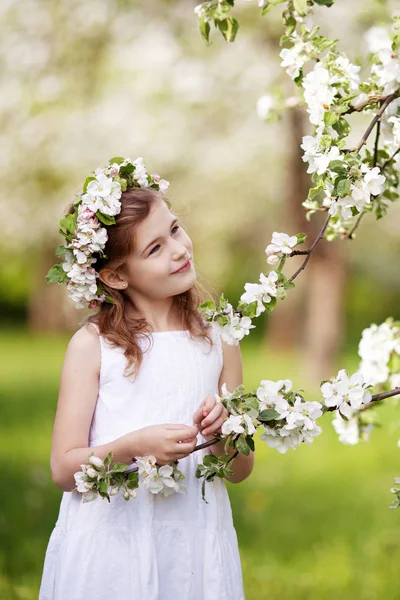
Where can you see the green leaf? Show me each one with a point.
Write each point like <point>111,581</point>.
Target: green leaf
<point>268,5</point>
<point>271,304</point>
<point>300,6</point>
<point>204,29</point>
<point>337,166</point>
<point>69,222</point>
<point>118,467</point>
<point>229,28</point>
<point>56,275</point>
<point>327,3</point>
<point>268,415</point>
<point>210,459</point>
<point>342,187</point>
<point>248,310</point>
<point>116,159</point>
<point>107,459</point>
<point>330,118</point>
<point>208,304</point>
<point>250,442</point>
<point>301,237</point>
<point>61,250</point>
<point>106,219</point>
<point>242,445</point>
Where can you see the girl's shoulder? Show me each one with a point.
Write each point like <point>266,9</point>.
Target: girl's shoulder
<point>84,349</point>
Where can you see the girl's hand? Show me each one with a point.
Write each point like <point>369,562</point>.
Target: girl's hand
<point>167,442</point>
<point>209,417</point>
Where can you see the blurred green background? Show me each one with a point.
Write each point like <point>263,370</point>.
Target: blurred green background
<point>86,81</point>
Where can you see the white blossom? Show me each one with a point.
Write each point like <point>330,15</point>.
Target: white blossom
<point>375,348</point>
<point>346,393</point>
<point>348,431</point>
<point>264,106</point>
<point>261,292</point>
<point>271,395</point>
<point>97,462</point>
<point>238,424</point>
<point>235,329</point>
<point>378,38</point>
<point>281,244</point>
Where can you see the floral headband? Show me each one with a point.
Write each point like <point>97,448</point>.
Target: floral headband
<point>98,203</point>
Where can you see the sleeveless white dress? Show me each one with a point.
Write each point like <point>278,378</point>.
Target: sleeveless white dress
<point>151,547</point>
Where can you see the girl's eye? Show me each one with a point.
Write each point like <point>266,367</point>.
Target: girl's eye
<point>175,227</point>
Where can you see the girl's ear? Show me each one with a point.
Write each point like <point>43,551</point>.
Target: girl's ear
<point>111,278</point>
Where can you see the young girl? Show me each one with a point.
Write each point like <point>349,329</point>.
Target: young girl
<point>139,379</point>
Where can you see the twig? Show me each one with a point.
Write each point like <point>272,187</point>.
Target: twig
<point>206,444</point>
<point>349,234</point>
<point>376,118</point>
<point>360,107</point>
<point>385,164</point>
<point>309,251</point>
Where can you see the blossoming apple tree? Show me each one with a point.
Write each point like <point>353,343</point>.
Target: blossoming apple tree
<point>348,183</point>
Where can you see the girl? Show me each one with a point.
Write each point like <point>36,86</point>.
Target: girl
<point>139,379</point>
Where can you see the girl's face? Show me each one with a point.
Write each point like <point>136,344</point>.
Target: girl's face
<point>161,247</point>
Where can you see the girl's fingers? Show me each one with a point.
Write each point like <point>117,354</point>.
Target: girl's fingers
<point>215,427</point>
<point>198,415</point>
<point>209,404</point>
<point>213,415</point>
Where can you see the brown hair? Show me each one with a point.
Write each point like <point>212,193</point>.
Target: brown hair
<point>112,319</point>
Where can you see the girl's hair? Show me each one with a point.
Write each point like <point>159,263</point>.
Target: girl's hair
<point>112,319</point>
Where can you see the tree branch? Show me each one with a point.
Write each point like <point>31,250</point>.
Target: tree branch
<point>309,251</point>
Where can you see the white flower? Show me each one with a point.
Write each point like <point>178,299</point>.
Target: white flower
<point>262,292</point>
<point>281,244</point>
<point>373,180</point>
<point>388,71</point>
<point>96,462</point>
<point>344,393</point>
<point>375,348</point>
<point>378,38</point>
<point>281,443</point>
<point>235,329</point>
<point>238,424</point>
<point>145,464</point>
<point>348,430</point>
<point>80,480</point>
<point>264,106</point>
<point>161,480</point>
<point>271,395</point>
<point>303,414</point>
<point>294,58</point>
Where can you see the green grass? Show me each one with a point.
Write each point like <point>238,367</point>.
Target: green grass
<point>312,524</point>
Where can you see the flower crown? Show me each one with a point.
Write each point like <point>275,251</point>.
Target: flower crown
<point>98,203</point>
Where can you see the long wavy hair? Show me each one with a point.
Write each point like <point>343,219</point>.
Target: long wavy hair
<point>112,319</point>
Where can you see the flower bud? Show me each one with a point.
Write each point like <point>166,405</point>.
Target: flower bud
<point>91,472</point>
<point>96,462</point>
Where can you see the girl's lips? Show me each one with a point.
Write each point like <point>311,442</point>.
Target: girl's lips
<point>182,269</point>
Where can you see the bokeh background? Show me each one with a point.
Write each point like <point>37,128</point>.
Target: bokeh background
<point>84,81</point>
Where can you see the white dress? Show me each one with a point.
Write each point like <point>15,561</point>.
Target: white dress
<point>151,547</point>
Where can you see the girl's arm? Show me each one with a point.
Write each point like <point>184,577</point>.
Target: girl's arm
<point>232,375</point>
<point>76,402</point>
